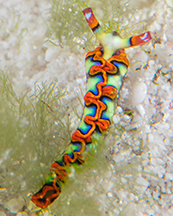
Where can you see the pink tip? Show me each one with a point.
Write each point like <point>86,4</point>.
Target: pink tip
<point>141,39</point>
<point>88,13</point>
<point>90,18</point>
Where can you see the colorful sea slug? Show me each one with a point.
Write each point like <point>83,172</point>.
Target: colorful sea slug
<point>106,67</point>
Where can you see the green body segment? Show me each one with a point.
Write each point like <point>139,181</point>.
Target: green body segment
<point>88,111</point>
<point>110,109</point>
<point>116,81</point>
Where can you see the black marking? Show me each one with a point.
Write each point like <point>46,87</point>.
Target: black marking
<point>98,130</point>
<point>130,40</point>
<point>93,92</point>
<point>92,105</point>
<point>78,162</point>
<point>114,33</point>
<point>60,163</point>
<point>90,57</point>
<point>96,27</point>
<point>107,97</point>
<point>120,62</point>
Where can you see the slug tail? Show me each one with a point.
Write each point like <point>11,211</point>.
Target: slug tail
<point>47,194</point>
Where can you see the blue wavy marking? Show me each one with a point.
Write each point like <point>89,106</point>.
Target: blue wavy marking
<point>96,62</point>
<point>78,147</point>
<point>85,128</point>
<point>106,114</point>
<point>95,80</point>
<point>60,162</point>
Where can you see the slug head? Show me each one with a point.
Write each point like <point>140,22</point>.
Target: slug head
<point>112,42</point>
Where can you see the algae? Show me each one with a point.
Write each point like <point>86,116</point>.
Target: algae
<point>27,135</point>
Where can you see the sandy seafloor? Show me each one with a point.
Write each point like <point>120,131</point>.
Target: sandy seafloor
<point>152,103</point>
